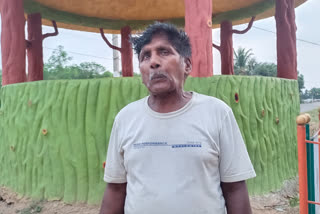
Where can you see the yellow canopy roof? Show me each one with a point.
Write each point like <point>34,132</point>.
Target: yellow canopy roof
<point>89,15</point>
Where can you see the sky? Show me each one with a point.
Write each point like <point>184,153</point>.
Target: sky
<point>89,47</point>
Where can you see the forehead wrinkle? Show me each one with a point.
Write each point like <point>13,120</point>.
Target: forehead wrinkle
<point>163,36</point>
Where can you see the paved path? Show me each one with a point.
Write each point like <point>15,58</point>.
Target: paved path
<point>309,106</point>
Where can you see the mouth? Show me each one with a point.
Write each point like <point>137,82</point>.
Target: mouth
<point>158,77</point>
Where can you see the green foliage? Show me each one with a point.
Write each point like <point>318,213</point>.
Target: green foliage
<point>265,69</point>
<point>293,202</point>
<point>242,57</point>
<point>58,60</point>
<point>313,93</point>
<point>246,64</point>
<point>300,82</point>
<point>0,78</point>
<point>57,68</point>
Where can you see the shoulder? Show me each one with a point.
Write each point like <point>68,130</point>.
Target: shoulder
<point>131,109</point>
<point>213,104</point>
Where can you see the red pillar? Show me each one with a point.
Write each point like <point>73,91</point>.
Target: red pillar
<point>35,49</point>
<point>13,43</point>
<point>198,16</point>
<point>286,39</point>
<point>226,48</point>
<point>126,52</point>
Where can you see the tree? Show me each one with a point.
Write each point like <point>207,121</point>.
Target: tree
<point>246,64</point>
<point>106,74</point>
<point>265,69</point>
<point>300,82</point>
<point>315,93</point>
<point>241,59</point>
<point>304,95</point>
<point>92,67</point>
<point>57,68</point>
<point>252,63</point>
<point>58,60</point>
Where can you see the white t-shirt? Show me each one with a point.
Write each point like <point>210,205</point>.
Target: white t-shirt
<point>173,162</point>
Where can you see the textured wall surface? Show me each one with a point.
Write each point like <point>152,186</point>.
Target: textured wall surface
<point>54,134</point>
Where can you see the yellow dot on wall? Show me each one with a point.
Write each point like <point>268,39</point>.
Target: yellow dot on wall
<point>44,132</point>
<point>12,148</point>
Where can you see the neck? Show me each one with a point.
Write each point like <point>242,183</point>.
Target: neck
<point>168,102</point>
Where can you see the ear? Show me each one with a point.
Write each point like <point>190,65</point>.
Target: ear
<point>188,66</point>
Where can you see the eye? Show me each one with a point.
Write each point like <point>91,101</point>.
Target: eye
<point>145,56</point>
<point>164,52</point>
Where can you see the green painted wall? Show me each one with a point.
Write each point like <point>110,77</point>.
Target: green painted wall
<point>66,163</point>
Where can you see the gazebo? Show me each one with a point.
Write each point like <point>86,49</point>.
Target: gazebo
<point>198,17</point>
<point>54,134</point>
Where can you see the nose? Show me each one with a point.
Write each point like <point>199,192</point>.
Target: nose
<point>154,61</point>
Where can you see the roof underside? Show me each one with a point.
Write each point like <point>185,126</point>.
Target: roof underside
<point>112,15</point>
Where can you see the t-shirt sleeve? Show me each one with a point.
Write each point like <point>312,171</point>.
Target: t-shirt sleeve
<point>235,164</point>
<point>114,169</point>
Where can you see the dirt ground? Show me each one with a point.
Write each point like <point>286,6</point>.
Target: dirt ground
<point>284,201</point>
<point>11,203</point>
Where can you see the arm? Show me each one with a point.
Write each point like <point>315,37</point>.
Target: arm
<point>236,197</point>
<point>113,199</point>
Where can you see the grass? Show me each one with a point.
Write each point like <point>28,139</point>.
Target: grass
<point>293,202</point>
<point>34,208</point>
<point>314,123</point>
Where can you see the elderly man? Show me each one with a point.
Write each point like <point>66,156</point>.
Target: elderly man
<point>174,152</point>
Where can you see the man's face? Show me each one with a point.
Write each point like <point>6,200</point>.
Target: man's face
<point>162,68</point>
